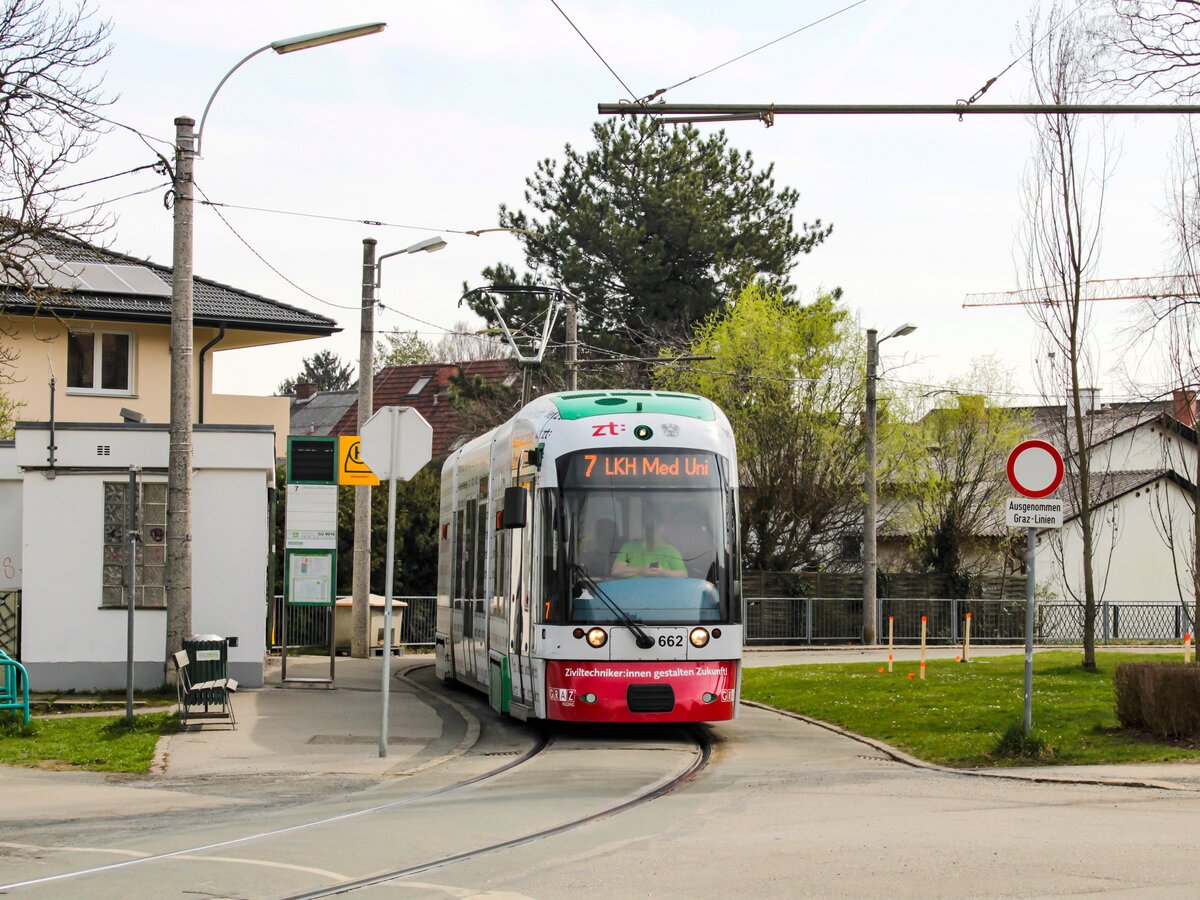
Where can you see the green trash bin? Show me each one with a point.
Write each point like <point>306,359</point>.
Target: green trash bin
<point>208,660</point>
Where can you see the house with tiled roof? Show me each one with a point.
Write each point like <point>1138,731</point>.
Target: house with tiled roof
<point>1143,494</point>
<point>426,388</point>
<point>91,373</point>
<point>100,328</point>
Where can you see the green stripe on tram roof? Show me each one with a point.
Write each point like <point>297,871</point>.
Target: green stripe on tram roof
<point>583,404</point>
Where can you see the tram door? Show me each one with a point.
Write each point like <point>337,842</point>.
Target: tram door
<point>464,576</point>
<point>519,617</point>
<point>479,596</point>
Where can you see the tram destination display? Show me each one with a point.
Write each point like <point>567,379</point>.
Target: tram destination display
<point>642,469</point>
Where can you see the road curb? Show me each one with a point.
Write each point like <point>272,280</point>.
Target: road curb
<point>901,757</point>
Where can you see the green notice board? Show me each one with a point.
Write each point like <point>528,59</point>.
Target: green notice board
<point>311,577</point>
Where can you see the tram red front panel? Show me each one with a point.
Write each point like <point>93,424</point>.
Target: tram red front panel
<point>571,687</point>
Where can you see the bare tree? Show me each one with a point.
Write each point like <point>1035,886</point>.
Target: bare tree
<point>1063,200</point>
<point>1151,46</point>
<point>463,344</point>
<point>1173,324</point>
<point>50,92</point>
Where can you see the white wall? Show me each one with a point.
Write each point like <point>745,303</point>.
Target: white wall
<point>1133,562</point>
<point>10,520</point>
<point>68,639</point>
<point>1149,446</point>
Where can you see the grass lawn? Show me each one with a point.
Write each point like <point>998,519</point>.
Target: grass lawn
<point>93,743</point>
<point>958,714</point>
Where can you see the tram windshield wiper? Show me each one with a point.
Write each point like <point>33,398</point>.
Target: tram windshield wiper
<point>643,640</point>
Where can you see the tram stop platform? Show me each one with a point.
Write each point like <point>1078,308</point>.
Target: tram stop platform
<point>290,740</point>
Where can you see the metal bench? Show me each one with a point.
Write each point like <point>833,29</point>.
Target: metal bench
<point>207,700</point>
<point>14,686</point>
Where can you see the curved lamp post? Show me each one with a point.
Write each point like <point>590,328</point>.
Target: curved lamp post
<point>372,278</point>
<point>179,465</point>
<point>870,600</point>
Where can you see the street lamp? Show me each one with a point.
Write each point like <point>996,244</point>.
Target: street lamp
<point>179,463</point>
<point>870,600</point>
<point>372,278</point>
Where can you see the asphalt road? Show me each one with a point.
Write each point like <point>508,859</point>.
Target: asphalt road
<point>782,809</point>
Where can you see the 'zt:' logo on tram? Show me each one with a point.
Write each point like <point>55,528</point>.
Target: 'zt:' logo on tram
<point>608,429</point>
<point>565,696</point>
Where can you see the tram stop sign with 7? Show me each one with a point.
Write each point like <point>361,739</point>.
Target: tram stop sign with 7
<point>396,442</point>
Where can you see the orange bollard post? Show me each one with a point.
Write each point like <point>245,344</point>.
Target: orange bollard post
<point>1187,647</point>
<point>923,626</point>
<point>966,654</point>
<point>891,647</point>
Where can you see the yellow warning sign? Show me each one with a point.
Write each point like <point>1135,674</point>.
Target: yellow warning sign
<point>351,468</point>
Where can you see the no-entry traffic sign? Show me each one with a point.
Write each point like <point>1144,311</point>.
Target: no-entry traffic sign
<point>1035,468</point>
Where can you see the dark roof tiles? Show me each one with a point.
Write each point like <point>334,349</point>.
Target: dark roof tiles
<point>213,303</point>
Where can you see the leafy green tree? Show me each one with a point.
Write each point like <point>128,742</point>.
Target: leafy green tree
<point>953,486</point>
<point>791,380</point>
<point>8,416</point>
<point>325,370</point>
<point>417,510</point>
<point>653,229</point>
<point>402,348</point>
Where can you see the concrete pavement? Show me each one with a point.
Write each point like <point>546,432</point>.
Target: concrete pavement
<point>297,743</point>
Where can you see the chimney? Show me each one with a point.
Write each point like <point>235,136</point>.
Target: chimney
<point>1184,408</point>
<point>1087,400</point>
<point>305,391</point>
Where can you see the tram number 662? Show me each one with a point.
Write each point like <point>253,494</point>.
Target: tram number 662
<point>670,640</point>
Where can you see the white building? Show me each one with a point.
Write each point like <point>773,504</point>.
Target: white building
<point>1143,496</point>
<point>63,539</point>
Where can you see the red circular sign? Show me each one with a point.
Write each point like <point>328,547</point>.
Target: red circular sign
<point>1035,468</point>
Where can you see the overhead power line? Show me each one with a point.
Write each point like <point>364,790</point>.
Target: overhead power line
<point>729,62</point>
<point>1153,287</point>
<point>621,80</point>
<point>679,113</point>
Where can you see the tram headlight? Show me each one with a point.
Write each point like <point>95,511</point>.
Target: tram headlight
<point>698,637</point>
<point>597,637</point>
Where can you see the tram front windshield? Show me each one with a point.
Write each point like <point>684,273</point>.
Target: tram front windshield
<point>648,536</point>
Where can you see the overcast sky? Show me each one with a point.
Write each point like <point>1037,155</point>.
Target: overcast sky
<point>436,121</point>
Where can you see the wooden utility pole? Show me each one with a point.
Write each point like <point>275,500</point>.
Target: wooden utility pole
<point>572,326</point>
<point>179,463</point>
<point>360,610</point>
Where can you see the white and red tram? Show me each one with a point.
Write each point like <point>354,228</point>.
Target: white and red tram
<point>534,515</point>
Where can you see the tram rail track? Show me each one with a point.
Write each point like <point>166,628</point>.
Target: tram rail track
<point>701,760</point>
<point>509,764</point>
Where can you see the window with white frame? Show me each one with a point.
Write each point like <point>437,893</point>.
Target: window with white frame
<point>100,362</point>
<point>151,549</point>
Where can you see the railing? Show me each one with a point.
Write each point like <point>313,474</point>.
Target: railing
<point>817,620</point>
<point>14,686</point>
<point>308,626</point>
<point>10,623</point>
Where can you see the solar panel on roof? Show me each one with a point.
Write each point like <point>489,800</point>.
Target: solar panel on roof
<point>105,278</point>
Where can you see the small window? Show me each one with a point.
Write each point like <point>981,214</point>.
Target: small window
<point>851,548</point>
<point>100,362</point>
<point>419,385</point>
<point>151,549</point>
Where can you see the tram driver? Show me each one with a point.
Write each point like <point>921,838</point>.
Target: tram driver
<point>650,557</point>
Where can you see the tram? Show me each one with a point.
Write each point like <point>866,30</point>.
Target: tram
<point>589,567</point>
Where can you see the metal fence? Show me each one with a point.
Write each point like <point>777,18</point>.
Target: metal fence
<point>308,626</point>
<point>818,620</point>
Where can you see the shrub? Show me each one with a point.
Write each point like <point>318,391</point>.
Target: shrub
<point>1015,744</point>
<point>1161,698</point>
